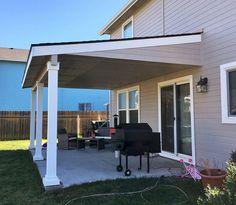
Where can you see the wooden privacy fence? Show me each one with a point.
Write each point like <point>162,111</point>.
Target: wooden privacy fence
<point>16,125</point>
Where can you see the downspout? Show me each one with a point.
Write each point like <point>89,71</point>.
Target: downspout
<point>163,17</point>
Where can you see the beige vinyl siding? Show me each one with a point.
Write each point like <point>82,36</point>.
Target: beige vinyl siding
<point>113,106</point>
<point>214,140</point>
<point>148,96</point>
<point>117,34</point>
<point>148,19</point>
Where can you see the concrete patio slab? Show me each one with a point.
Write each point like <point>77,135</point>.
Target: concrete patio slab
<point>90,165</point>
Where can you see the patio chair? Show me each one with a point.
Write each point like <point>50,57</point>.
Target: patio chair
<point>100,128</point>
<point>81,143</point>
<point>65,140</point>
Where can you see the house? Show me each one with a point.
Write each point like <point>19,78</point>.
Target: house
<point>170,63</point>
<point>14,98</point>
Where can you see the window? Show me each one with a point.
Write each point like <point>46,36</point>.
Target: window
<point>232,93</point>
<point>127,28</point>
<point>128,105</point>
<point>228,92</point>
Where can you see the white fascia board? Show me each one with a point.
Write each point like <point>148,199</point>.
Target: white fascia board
<point>114,45</point>
<point>116,17</point>
<point>27,66</point>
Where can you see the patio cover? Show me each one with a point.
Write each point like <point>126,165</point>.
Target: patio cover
<point>106,64</point>
<point>98,64</point>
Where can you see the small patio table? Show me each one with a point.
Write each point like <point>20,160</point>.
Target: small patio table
<point>99,141</point>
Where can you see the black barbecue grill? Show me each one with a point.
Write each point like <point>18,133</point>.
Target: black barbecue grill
<point>135,139</point>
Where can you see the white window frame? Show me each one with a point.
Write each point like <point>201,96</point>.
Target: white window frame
<point>224,86</point>
<point>131,19</point>
<point>126,91</point>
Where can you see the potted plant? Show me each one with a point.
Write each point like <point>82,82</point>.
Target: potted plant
<point>226,195</point>
<point>212,176</point>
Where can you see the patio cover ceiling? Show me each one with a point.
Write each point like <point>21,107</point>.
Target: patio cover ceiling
<point>110,64</point>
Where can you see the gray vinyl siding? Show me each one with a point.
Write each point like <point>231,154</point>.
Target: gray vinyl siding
<point>214,140</point>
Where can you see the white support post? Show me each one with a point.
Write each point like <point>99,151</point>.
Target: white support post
<point>32,120</point>
<point>39,123</point>
<point>51,178</point>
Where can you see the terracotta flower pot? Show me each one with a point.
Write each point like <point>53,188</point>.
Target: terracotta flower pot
<point>213,177</point>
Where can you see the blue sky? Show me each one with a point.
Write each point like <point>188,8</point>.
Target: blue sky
<point>24,22</point>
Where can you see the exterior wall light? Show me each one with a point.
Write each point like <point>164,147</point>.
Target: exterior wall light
<point>202,85</point>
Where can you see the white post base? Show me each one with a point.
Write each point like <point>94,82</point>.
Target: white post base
<point>31,147</point>
<point>38,158</point>
<point>51,181</point>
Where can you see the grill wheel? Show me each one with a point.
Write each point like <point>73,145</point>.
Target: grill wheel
<point>119,168</point>
<point>127,172</point>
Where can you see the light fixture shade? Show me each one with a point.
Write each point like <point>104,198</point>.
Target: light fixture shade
<point>201,86</point>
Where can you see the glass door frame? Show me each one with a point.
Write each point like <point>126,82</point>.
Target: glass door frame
<point>174,82</point>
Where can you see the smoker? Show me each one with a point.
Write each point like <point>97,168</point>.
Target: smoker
<point>135,139</point>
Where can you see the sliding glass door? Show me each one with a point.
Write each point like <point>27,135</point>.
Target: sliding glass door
<point>183,119</point>
<point>167,118</point>
<point>175,108</point>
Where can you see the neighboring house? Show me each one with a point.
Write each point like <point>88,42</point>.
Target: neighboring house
<point>12,64</point>
<point>14,98</point>
<point>159,50</point>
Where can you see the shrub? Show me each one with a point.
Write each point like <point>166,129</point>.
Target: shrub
<point>230,183</point>
<point>212,196</point>
<point>227,196</point>
<point>233,156</point>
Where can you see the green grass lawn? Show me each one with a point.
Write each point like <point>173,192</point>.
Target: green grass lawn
<point>20,183</point>
<point>15,144</point>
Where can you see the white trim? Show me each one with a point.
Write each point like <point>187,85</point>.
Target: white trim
<point>127,109</point>
<point>175,114</point>
<point>107,46</point>
<point>116,17</point>
<point>192,119</point>
<point>114,45</point>
<point>224,69</point>
<point>40,77</point>
<point>178,81</point>
<point>130,20</point>
<point>175,157</point>
<point>27,66</point>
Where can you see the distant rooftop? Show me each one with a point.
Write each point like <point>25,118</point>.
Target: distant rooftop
<point>13,54</point>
